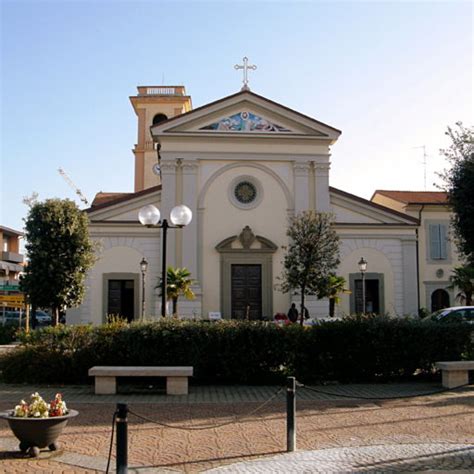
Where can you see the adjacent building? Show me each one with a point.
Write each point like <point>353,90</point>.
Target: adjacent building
<point>11,262</point>
<point>437,253</point>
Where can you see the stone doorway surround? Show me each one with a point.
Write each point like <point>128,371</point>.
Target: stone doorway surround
<point>246,248</point>
<point>106,277</point>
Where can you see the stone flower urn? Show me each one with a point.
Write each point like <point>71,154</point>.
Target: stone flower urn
<point>37,433</point>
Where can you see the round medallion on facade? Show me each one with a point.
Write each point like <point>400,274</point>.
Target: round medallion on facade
<point>245,192</point>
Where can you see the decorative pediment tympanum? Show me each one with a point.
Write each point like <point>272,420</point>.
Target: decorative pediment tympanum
<point>245,122</point>
<point>246,242</point>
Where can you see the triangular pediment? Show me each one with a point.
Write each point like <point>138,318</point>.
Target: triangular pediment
<point>245,113</point>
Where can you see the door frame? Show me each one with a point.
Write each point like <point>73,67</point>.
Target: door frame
<point>368,276</point>
<point>242,249</point>
<point>105,291</point>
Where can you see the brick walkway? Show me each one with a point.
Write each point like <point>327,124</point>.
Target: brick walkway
<point>347,434</point>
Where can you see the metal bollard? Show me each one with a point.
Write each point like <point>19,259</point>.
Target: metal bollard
<point>122,438</point>
<point>290,414</point>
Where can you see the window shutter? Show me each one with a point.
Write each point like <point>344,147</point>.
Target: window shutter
<point>443,237</point>
<point>434,242</point>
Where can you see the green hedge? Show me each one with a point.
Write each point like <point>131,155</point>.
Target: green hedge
<point>8,333</point>
<point>242,352</point>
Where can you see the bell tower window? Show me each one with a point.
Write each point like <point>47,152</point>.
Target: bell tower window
<point>158,118</point>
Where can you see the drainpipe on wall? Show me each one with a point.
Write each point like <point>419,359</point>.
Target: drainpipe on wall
<point>418,260</point>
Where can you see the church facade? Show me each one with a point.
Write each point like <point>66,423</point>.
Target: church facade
<point>244,165</point>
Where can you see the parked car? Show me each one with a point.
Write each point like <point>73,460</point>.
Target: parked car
<point>456,314</point>
<point>13,317</point>
<point>42,317</point>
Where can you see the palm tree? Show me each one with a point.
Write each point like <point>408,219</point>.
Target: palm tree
<point>335,285</point>
<point>463,278</point>
<point>178,283</point>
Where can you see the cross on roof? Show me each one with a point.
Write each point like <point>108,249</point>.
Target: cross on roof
<point>246,66</point>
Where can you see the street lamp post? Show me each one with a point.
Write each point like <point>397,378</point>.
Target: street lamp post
<point>180,217</point>
<point>143,268</point>
<point>363,268</point>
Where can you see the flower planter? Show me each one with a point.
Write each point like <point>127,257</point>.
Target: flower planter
<point>37,433</point>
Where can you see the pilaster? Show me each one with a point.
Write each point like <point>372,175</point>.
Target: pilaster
<point>301,184</point>
<point>189,252</point>
<point>168,201</point>
<point>410,284</point>
<point>321,185</point>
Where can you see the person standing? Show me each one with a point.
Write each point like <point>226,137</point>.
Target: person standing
<point>293,313</point>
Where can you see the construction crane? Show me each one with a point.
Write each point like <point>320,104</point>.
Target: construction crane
<point>73,186</point>
<point>424,162</point>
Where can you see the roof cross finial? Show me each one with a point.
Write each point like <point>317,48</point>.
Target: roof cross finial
<point>246,66</point>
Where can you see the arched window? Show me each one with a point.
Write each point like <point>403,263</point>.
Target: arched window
<point>439,300</point>
<point>158,118</point>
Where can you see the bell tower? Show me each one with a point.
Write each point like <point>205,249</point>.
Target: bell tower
<point>154,104</point>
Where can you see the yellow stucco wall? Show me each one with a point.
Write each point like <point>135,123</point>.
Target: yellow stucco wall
<point>428,268</point>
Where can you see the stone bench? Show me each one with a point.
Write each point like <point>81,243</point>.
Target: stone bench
<point>455,373</point>
<point>176,377</point>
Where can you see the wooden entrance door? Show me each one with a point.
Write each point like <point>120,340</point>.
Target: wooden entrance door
<point>121,299</point>
<point>246,291</point>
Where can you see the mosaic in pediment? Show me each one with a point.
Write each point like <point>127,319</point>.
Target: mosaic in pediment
<point>245,122</point>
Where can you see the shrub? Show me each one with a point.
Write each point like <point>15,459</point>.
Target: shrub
<point>8,333</point>
<point>353,350</point>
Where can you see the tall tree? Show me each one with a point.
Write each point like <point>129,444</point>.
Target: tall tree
<point>59,253</point>
<point>463,279</point>
<point>311,256</point>
<point>178,282</point>
<point>459,183</point>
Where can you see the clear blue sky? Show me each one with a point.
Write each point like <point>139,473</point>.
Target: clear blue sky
<point>391,76</point>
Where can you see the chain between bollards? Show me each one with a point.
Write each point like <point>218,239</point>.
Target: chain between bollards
<point>290,414</point>
<point>122,438</point>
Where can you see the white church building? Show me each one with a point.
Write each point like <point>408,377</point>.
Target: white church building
<point>241,162</point>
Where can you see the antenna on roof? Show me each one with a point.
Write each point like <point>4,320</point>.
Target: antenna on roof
<point>73,186</point>
<point>425,163</point>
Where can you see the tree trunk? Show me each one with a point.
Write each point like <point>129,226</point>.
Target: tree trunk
<point>33,316</point>
<point>332,306</point>
<point>303,288</point>
<point>55,316</point>
<point>175,307</point>
<point>468,298</point>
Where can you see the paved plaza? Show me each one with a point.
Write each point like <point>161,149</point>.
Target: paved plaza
<point>348,428</point>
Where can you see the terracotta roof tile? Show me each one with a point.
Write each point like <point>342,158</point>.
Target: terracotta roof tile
<point>102,198</point>
<point>415,197</point>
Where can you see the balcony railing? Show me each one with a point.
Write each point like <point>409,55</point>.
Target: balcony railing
<point>161,90</point>
<point>12,257</point>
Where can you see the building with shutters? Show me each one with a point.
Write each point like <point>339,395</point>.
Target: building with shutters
<point>437,253</point>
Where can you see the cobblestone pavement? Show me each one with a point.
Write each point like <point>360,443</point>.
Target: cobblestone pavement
<point>432,432</point>
<point>386,458</point>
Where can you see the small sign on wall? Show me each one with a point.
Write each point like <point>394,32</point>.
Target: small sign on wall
<point>215,315</point>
